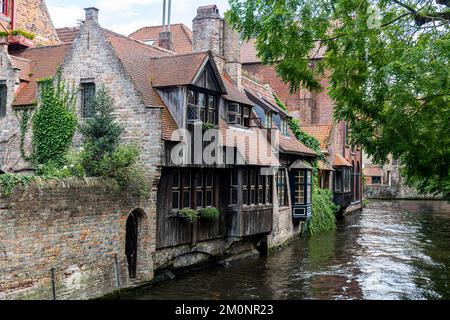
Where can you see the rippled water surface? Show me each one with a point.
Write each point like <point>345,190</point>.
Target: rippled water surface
<point>392,250</point>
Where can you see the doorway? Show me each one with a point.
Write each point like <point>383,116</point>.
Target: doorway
<point>131,243</point>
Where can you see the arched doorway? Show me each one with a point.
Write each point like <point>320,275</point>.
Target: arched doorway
<point>131,243</point>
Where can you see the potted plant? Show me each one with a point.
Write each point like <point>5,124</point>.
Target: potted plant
<point>190,215</point>
<point>211,214</point>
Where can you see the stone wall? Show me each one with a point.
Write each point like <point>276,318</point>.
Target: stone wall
<point>92,57</point>
<point>9,124</point>
<point>76,227</point>
<point>33,16</point>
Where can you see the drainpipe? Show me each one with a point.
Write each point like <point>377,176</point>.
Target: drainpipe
<point>164,15</point>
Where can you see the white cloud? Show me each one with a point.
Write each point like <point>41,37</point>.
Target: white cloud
<point>127,16</point>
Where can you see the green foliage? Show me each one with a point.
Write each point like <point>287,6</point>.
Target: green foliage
<point>24,117</point>
<point>207,126</point>
<point>365,202</point>
<point>72,168</point>
<point>9,181</point>
<point>389,77</point>
<point>103,155</point>
<point>19,32</point>
<point>190,215</point>
<point>101,135</point>
<point>324,210</point>
<point>54,123</point>
<point>209,213</point>
<point>324,213</point>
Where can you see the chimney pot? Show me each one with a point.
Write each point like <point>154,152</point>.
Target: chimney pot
<point>91,14</point>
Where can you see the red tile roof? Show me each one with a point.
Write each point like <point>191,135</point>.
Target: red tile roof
<point>233,94</point>
<point>181,36</point>
<point>320,132</point>
<point>67,35</point>
<point>251,144</point>
<point>45,62</point>
<point>339,161</point>
<point>176,70</point>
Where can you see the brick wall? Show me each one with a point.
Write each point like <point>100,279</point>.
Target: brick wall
<point>9,126</point>
<point>92,57</point>
<point>75,227</point>
<point>33,16</point>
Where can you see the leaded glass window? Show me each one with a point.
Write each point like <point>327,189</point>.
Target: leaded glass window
<point>87,99</point>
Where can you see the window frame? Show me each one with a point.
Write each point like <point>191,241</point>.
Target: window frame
<point>4,7</point>
<point>204,110</point>
<point>282,188</point>
<point>3,99</point>
<point>84,100</point>
<point>242,114</point>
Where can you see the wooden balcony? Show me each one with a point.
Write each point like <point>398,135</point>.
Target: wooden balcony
<point>251,220</point>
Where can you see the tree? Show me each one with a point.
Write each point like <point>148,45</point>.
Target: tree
<point>388,68</point>
<point>101,134</point>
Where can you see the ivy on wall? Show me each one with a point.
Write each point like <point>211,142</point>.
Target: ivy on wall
<point>323,210</point>
<point>54,123</point>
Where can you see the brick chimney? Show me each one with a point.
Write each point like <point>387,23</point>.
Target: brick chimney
<point>212,33</point>
<point>208,30</point>
<point>91,15</point>
<point>165,40</point>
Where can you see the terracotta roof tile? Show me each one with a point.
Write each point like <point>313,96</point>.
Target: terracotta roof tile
<point>320,132</point>
<point>41,66</point>
<point>339,161</point>
<point>176,70</point>
<point>251,144</point>
<point>181,36</point>
<point>290,144</point>
<point>233,94</point>
<point>136,58</point>
<point>67,35</point>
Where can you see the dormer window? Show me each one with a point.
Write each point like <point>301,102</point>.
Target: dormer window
<point>201,107</point>
<point>238,115</point>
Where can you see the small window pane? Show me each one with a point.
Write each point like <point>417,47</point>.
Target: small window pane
<point>87,100</point>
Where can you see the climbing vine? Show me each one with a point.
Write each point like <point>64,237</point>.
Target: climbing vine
<point>24,117</point>
<point>9,181</point>
<point>54,123</point>
<point>324,210</point>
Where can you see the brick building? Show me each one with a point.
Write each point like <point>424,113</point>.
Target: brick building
<point>259,179</point>
<point>27,15</point>
<point>342,172</point>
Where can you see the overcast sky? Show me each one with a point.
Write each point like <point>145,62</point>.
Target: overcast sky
<point>126,16</point>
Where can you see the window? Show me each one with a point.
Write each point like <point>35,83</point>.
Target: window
<point>245,188</point>
<point>347,180</point>
<point>268,189</point>
<point>176,190</point>
<point>261,188</point>
<point>347,135</point>
<point>238,115</point>
<point>4,7</point>
<point>269,120</point>
<point>284,126</point>
<point>87,99</point>
<point>253,186</point>
<point>234,187</point>
<point>186,186</point>
<point>300,187</point>
<point>281,188</point>
<point>3,99</point>
<point>376,180</point>
<point>201,106</point>
<point>338,180</point>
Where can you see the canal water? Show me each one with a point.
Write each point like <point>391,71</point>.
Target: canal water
<point>391,250</point>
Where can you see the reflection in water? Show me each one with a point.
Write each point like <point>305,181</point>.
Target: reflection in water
<point>392,250</point>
